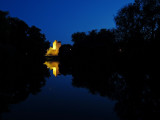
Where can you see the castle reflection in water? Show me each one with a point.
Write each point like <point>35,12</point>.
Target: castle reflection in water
<point>53,65</point>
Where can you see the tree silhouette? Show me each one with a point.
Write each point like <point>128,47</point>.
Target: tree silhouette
<point>20,39</point>
<point>93,45</point>
<point>129,77</point>
<point>22,50</point>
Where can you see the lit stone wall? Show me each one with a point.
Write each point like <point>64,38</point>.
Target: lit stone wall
<point>53,51</point>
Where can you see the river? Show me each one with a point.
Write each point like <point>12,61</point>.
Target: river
<point>83,90</point>
<point>59,99</point>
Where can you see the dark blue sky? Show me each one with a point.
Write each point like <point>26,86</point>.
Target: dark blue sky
<point>59,19</point>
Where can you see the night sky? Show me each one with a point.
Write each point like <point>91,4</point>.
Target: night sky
<point>59,19</point>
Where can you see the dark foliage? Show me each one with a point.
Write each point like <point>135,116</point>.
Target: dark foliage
<point>122,63</point>
<point>18,39</point>
<point>22,50</point>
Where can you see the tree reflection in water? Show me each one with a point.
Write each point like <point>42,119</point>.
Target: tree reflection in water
<point>19,78</point>
<point>135,90</point>
<point>22,50</point>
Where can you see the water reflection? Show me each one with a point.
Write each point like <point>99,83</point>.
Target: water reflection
<point>17,85</point>
<point>53,65</point>
<point>135,90</point>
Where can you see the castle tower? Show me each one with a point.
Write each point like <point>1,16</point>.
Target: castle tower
<point>53,51</point>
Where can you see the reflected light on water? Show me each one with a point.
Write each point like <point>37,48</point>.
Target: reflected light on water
<point>53,65</point>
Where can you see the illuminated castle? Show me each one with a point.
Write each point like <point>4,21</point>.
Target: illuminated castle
<point>53,51</point>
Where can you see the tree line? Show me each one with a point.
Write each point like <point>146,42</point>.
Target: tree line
<point>22,50</point>
<point>20,40</point>
<point>134,40</point>
<point>121,63</point>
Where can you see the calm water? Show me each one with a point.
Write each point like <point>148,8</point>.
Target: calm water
<point>83,90</point>
<point>60,100</point>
